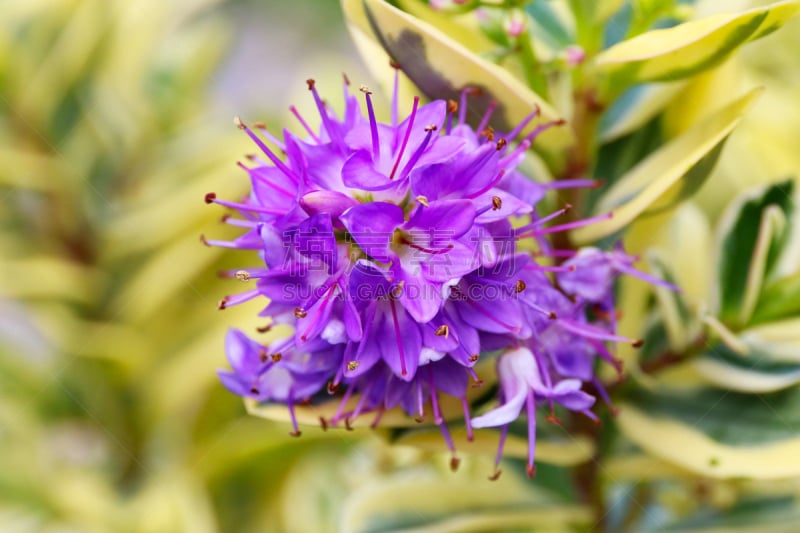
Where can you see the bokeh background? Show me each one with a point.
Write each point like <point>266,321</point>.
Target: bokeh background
<point>115,120</point>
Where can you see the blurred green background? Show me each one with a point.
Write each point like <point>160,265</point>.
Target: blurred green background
<point>115,120</point>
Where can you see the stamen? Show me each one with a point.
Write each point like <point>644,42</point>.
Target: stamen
<point>443,331</point>
<point>574,184</point>
<point>241,245</point>
<point>422,146</point>
<point>497,203</point>
<point>373,124</point>
<point>607,356</point>
<point>531,470</point>
<point>567,226</point>
<point>487,116</point>
<point>264,148</point>
<point>542,127</point>
<point>236,299</point>
<point>238,222</point>
<point>430,251</point>
<point>252,273</point>
<point>333,133</point>
<point>305,125</point>
<point>320,311</point>
<point>422,200</point>
<point>452,108</point>
<point>378,416</point>
<point>516,153</point>
<point>520,286</point>
<point>406,137</point>
<point>260,126</point>
<point>395,92</point>
<point>403,370</point>
<point>544,220</point>
<point>521,126</point>
<point>242,275</point>
<point>242,207</point>
<point>467,418</point>
<point>591,332</point>
<point>296,432</point>
<point>489,185</point>
<point>499,456</point>
<point>603,393</point>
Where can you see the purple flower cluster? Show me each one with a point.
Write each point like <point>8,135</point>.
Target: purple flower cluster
<point>392,251</point>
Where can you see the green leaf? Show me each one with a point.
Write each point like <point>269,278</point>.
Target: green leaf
<point>656,181</point>
<point>687,49</point>
<point>635,107</point>
<point>748,516</point>
<point>749,240</point>
<point>679,322</point>
<point>718,434</point>
<point>779,299</point>
<point>441,67</point>
<point>758,371</point>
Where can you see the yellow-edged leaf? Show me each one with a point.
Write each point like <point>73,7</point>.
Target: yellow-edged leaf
<point>461,504</point>
<point>689,48</point>
<point>658,177</point>
<point>441,67</point>
<point>688,447</point>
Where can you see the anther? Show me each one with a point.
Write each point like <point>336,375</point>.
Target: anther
<point>443,331</point>
<point>310,82</point>
<point>638,343</point>
<point>521,286</point>
<point>423,200</point>
<point>474,357</point>
<point>254,391</point>
<point>452,106</point>
<point>260,125</point>
<point>346,79</point>
<point>222,303</point>
<point>295,433</point>
<point>348,424</point>
<point>531,471</point>
<point>299,312</point>
<point>210,197</point>
<point>552,315</point>
<point>502,143</point>
<point>495,476</point>
<point>203,240</point>
<point>243,275</point>
<point>394,64</point>
<point>397,290</point>
<point>497,203</point>
<point>553,419</point>
<point>264,329</point>
<point>488,133</point>
<point>263,356</point>
<point>431,127</point>
<point>323,423</point>
<point>332,388</point>
<point>352,366</point>
<point>364,89</point>
<point>239,123</point>
<point>454,462</point>
<point>276,357</point>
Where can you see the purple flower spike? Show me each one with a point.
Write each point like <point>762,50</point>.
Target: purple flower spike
<point>389,249</point>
